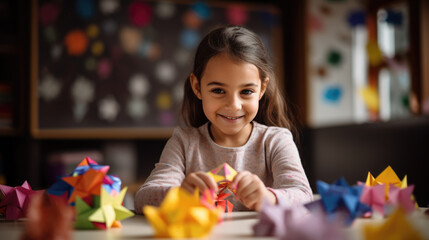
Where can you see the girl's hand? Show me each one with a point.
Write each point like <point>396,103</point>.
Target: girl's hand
<point>200,180</point>
<point>251,191</point>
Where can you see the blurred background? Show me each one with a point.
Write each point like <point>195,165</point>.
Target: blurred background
<point>104,79</point>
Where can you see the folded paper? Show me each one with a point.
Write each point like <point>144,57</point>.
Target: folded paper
<point>182,215</point>
<point>15,200</point>
<point>397,226</point>
<point>97,197</point>
<point>223,175</point>
<point>339,201</point>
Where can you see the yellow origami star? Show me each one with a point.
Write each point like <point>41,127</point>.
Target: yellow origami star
<point>110,209</point>
<point>181,215</point>
<point>223,173</point>
<point>387,177</point>
<point>396,227</point>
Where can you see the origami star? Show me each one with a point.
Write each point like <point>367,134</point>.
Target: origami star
<point>339,201</point>
<point>387,177</point>
<point>83,212</point>
<point>112,184</point>
<point>223,175</point>
<point>14,205</point>
<point>86,184</point>
<point>285,222</point>
<point>311,227</point>
<point>110,208</point>
<point>86,164</point>
<point>182,215</point>
<point>396,226</point>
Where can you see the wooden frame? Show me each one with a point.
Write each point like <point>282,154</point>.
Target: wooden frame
<point>154,132</point>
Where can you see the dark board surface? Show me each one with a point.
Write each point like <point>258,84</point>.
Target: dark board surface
<point>75,90</point>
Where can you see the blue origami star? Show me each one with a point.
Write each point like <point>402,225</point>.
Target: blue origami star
<point>339,201</point>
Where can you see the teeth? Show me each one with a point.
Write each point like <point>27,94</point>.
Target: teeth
<point>232,118</point>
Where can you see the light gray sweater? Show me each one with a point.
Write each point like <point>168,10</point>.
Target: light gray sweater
<point>270,153</point>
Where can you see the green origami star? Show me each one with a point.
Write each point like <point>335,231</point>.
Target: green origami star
<point>110,208</point>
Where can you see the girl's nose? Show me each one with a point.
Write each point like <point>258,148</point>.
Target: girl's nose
<point>234,102</point>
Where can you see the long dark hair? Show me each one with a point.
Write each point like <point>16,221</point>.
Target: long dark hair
<point>240,44</point>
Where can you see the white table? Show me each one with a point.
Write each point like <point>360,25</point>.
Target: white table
<point>237,225</point>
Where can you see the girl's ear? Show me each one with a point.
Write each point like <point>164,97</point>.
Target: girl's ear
<point>264,84</point>
<point>195,84</point>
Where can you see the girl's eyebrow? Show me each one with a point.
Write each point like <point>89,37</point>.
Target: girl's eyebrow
<point>222,84</point>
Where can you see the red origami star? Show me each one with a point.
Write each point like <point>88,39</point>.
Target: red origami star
<point>14,205</point>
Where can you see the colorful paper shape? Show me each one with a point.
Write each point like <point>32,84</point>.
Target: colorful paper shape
<point>387,177</point>
<point>397,226</point>
<point>15,203</point>
<point>223,175</point>
<point>86,184</point>
<point>49,217</point>
<point>182,215</point>
<point>339,201</point>
<point>295,223</point>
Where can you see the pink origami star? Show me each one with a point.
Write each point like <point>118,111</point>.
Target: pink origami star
<point>14,205</point>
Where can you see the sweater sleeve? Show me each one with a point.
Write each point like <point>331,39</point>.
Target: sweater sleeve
<point>290,184</point>
<point>168,172</point>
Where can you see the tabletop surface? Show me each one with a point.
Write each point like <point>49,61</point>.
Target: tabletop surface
<point>236,225</point>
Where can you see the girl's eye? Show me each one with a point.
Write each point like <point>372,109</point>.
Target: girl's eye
<point>247,92</point>
<point>218,91</point>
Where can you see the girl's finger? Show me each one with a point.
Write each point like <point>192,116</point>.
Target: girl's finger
<point>208,180</point>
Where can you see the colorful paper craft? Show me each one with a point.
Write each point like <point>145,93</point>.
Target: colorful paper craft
<point>15,202</point>
<point>396,226</point>
<point>387,177</point>
<point>375,197</point>
<point>339,201</point>
<point>110,209</point>
<point>182,215</point>
<point>295,223</point>
<point>223,175</point>
<point>83,189</point>
<point>49,217</point>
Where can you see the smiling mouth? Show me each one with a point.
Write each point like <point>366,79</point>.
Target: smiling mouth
<point>230,118</point>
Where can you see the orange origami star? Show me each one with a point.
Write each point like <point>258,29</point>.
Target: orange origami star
<point>86,184</point>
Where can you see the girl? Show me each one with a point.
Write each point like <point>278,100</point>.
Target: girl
<point>235,114</point>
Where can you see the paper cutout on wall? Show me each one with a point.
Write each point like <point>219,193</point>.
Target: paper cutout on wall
<point>165,9</point>
<point>48,13</point>
<point>375,56</point>
<point>50,34</point>
<point>163,100</point>
<point>108,108</point>
<point>191,20</point>
<point>139,85</point>
<point>370,97</point>
<point>165,71</point>
<point>76,42</point>
<point>315,24</point>
<point>109,6</point>
<point>109,26</point>
<point>237,15</point>
<point>104,68</point>
<point>334,57</point>
<point>166,118</point>
<point>140,14</point>
<point>85,8</point>
<point>189,38</point>
<point>49,88</point>
<point>202,10</point>
<point>56,52</point>
<point>394,17</point>
<point>333,94</point>
<point>357,18</point>
<point>97,48</point>
<point>130,39</point>
<point>137,108</point>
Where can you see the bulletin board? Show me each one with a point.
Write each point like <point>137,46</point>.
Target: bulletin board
<point>116,69</point>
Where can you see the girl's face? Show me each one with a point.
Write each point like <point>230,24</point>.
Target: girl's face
<point>230,92</point>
